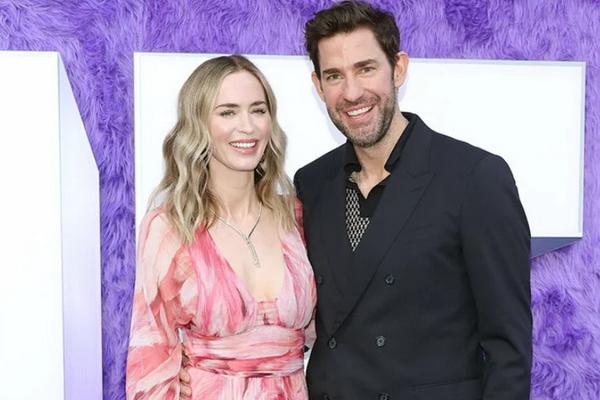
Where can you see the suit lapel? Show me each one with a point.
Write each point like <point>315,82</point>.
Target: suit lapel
<point>331,225</point>
<point>403,191</point>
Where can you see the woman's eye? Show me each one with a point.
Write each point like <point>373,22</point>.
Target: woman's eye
<point>227,113</point>
<point>260,111</point>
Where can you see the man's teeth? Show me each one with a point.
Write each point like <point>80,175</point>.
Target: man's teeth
<point>243,145</point>
<point>358,112</point>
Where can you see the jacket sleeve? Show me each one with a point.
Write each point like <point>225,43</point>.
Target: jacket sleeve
<point>299,217</point>
<point>298,185</point>
<point>496,246</point>
<point>163,277</point>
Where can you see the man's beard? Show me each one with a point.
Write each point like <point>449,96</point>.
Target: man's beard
<point>357,136</point>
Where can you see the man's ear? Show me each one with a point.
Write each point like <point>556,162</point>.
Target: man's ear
<point>400,68</point>
<point>317,82</point>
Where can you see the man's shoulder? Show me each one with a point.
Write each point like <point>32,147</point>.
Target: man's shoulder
<point>323,167</point>
<point>451,151</point>
<point>462,161</point>
<point>443,149</point>
<point>311,179</point>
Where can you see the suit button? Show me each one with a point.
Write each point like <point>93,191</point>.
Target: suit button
<point>319,279</point>
<point>380,341</point>
<point>384,396</point>
<point>332,343</point>
<point>389,279</point>
<point>326,397</point>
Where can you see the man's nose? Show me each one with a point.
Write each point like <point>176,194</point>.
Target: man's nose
<point>353,89</point>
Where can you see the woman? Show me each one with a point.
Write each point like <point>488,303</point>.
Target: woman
<point>221,258</point>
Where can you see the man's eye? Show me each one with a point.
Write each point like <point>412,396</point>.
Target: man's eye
<point>333,77</point>
<point>365,70</point>
<point>227,113</point>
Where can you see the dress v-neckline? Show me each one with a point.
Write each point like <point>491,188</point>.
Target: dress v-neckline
<point>241,284</point>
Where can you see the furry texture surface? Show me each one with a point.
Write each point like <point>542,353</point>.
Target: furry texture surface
<point>97,38</point>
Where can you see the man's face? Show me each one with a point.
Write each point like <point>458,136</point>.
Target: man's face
<point>358,85</point>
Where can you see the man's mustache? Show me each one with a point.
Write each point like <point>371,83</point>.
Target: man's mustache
<point>363,101</point>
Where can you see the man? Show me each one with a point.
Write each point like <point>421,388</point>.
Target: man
<point>419,243</point>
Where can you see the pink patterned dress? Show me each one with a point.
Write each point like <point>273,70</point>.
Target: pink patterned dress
<point>239,348</point>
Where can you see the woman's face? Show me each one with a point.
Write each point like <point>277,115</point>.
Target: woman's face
<point>240,123</point>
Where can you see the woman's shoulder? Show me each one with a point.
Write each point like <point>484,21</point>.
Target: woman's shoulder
<point>157,229</point>
<point>156,220</point>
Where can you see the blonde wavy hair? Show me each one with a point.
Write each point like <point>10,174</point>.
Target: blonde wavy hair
<point>184,189</point>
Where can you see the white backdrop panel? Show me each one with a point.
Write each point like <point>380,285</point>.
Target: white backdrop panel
<point>49,237</point>
<point>530,113</point>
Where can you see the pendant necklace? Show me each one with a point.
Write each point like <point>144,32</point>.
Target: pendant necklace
<point>246,238</point>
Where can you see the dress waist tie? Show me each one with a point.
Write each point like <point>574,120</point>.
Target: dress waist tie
<point>267,350</point>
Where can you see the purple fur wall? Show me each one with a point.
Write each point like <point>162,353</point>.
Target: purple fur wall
<point>96,40</point>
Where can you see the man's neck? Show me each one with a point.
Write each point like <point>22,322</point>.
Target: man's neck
<point>372,159</point>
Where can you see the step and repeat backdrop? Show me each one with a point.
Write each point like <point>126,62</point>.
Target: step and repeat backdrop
<point>87,93</point>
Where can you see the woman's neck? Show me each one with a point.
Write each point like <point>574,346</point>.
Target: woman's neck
<point>235,191</point>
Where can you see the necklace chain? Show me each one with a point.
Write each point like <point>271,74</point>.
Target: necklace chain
<point>246,238</point>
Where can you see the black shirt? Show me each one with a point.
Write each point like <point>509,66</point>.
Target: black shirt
<point>359,209</point>
<point>368,205</point>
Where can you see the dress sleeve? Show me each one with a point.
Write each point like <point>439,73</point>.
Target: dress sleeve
<point>163,301</point>
<point>310,334</point>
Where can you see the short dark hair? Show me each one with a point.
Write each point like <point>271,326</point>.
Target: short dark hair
<point>345,17</point>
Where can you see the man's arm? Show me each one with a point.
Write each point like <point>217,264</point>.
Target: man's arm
<point>496,246</point>
<point>297,184</point>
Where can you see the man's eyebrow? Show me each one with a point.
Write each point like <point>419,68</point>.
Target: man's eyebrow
<point>365,63</point>
<point>357,65</point>
<point>330,71</point>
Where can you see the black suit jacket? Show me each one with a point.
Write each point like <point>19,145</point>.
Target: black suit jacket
<point>435,301</point>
